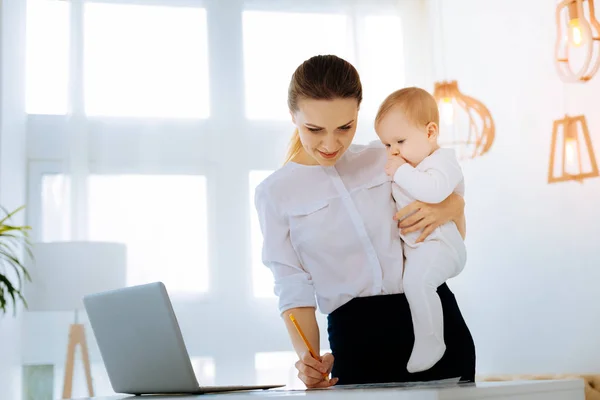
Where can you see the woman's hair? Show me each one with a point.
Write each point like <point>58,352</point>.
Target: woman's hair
<point>417,104</point>
<point>323,77</point>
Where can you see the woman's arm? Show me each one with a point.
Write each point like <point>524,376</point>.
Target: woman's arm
<point>427,216</point>
<point>295,290</point>
<point>314,373</point>
<point>308,322</point>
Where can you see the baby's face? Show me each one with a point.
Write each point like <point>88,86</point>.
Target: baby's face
<point>403,138</point>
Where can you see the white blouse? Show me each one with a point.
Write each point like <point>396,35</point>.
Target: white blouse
<point>329,231</point>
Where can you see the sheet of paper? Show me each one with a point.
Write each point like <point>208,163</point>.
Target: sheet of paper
<point>443,383</point>
<point>438,384</point>
<point>409,385</point>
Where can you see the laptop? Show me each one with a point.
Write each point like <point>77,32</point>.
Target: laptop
<point>141,343</point>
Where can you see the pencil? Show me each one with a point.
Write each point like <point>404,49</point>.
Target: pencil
<point>308,346</point>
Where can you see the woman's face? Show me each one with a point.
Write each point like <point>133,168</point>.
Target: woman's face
<point>326,128</point>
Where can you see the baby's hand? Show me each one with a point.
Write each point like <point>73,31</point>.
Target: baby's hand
<point>393,163</point>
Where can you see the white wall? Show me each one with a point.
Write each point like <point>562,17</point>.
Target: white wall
<point>12,178</point>
<point>530,290</point>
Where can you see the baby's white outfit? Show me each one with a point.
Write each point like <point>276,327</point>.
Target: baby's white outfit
<point>442,255</point>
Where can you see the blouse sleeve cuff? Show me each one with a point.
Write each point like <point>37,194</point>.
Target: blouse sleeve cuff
<point>294,294</point>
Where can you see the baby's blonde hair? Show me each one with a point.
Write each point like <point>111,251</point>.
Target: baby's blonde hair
<point>418,105</point>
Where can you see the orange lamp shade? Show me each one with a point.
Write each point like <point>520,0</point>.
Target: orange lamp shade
<point>577,49</point>
<point>473,139</point>
<point>571,153</point>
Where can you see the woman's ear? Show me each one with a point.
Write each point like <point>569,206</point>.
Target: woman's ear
<point>293,117</point>
<point>432,131</point>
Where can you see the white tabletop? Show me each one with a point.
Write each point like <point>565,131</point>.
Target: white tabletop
<point>523,390</point>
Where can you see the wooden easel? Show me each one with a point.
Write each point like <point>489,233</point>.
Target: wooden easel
<point>77,336</point>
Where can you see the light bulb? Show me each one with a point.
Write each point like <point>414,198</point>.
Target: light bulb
<point>571,162</point>
<point>575,32</point>
<point>446,110</point>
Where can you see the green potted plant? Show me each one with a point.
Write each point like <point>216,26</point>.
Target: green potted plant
<point>14,247</point>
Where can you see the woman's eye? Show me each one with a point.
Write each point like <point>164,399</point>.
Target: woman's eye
<point>345,128</point>
<point>314,129</point>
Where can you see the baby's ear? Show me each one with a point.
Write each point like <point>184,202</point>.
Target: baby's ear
<point>432,130</point>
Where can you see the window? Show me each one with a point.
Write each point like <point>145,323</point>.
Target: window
<point>204,368</point>
<point>270,59</point>
<point>153,123</point>
<point>262,278</point>
<point>163,221</point>
<point>381,62</point>
<point>381,68</point>
<point>277,367</point>
<point>47,56</point>
<point>145,61</point>
<point>56,221</point>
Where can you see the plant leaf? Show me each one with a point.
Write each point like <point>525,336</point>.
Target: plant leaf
<point>11,291</point>
<point>11,258</point>
<point>21,229</point>
<point>10,215</point>
<point>20,269</point>
<point>13,241</point>
<point>5,248</point>
<point>2,299</point>
<point>29,252</point>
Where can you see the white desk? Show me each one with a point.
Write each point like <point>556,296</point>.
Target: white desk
<point>513,390</point>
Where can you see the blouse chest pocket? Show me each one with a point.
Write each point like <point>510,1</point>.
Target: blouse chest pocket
<point>379,180</point>
<point>306,221</point>
<point>378,186</point>
<point>377,191</point>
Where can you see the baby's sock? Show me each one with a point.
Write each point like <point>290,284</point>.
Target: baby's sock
<point>427,351</point>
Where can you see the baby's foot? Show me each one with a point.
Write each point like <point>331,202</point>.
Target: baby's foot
<point>427,351</point>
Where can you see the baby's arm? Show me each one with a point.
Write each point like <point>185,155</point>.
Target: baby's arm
<point>435,182</point>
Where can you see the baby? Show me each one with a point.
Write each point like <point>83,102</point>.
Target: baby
<point>407,124</point>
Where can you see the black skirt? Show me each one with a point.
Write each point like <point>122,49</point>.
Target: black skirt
<point>371,339</point>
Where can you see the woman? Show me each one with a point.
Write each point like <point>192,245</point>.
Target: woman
<point>327,218</point>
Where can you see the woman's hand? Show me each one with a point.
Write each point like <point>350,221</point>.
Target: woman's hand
<point>313,372</point>
<point>427,216</point>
